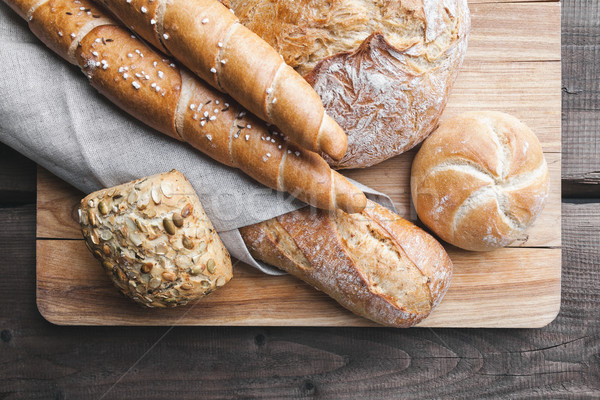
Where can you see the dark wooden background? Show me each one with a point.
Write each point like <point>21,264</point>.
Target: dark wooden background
<point>40,360</point>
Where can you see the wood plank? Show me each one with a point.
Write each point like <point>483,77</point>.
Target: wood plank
<point>498,33</point>
<point>507,288</point>
<point>58,201</point>
<point>581,95</point>
<point>17,178</point>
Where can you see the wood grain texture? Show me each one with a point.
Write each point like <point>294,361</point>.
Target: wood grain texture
<point>581,96</point>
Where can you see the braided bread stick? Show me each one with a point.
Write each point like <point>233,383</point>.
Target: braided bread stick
<point>206,37</point>
<point>156,91</point>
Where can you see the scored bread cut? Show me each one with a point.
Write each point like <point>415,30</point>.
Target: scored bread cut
<point>156,91</point>
<point>374,263</point>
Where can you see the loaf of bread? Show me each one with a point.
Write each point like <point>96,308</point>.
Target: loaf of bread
<point>151,88</point>
<point>375,263</point>
<point>480,180</point>
<point>154,240</point>
<point>211,42</point>
<point>383,69</point>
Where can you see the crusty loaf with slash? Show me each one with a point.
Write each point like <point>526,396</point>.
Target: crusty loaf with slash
<point>153,89</point>
<point>383,69</point>
<point>155,241</point>
<point>206,37</point>
<point>375,263</point>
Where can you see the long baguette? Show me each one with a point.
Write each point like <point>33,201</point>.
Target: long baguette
<point>375,263</point>
<point>207,38</point>
<point>156,91</point>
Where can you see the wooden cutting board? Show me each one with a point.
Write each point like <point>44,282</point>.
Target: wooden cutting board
<point>512,65</point>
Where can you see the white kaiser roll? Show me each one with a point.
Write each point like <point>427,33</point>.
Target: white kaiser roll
<point>480,180</point>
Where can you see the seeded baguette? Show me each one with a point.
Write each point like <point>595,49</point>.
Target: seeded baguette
<point>155,241</point>
<point>153,89</point>
<point>207,38</point>
<point>375,263</point>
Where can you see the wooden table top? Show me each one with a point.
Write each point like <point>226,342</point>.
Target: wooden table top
<point>41,360</point>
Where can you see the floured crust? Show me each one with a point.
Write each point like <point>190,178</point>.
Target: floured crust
<point>480,180</point>
<point>374,263</point>
<point>155,241</point>
<point>382,69</point>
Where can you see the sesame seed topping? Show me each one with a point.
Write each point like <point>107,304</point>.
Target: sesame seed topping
<point>265,158</point>
<point>146,77</point>
<point>129,55</point>
<point>82,8</point>
<point>121,70</point>
<point>98,40</point>
<point>138,75</point>
<point>132,36</point>
<point>247,137</point>
<point>205,21</point>
<point>206,113</point>
<point>269,90</point>
<point>144,10</point>
<point>136,85</point>
<point>72,36</point>
<point>249,126</point>
<point>209,137</point>
<point>223,62</point>
<point>98,64</point>
<point>220,44</point>
<point>226,104</point>
<point>268,154</point>
<point>60,33</point>
<point>153,85</point>
<point>216,110</point>
<point>105,66</point>
<point>152,22</point>
<point>274,100</point>
<point>166,36</point>
<point>125,76</point>
<point>142,55</point>
<point>95,53</point>
<point>213,70</point>
<point>88,12</point>
<point>202,123</point>
<point>213,118</point>
<point>137,51</point>
<point>129,1</point>
<point>160,74</point>
<point>289,152</point>
<point>195,117</point>
<point>297,154</point>
<point>157,89</point>
<point>155,64</point>
<point>172,65</point>
<point>217,101</point>
<point>279,147</point>
<point>192,106</point>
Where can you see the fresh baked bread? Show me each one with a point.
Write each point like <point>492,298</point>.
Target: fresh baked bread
<point>480,180</point>
<point>211,42</point>
<point>156,91</point>
<point>383,69</point>
<point>375,263</point>
<point>154,240</point>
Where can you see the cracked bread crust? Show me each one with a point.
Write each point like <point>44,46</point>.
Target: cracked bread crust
<point>383,69</point>
<point>375,263</point>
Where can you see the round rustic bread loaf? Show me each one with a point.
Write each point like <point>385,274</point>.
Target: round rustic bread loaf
<point>154,240</point>
<point>383,69</point>
<point>480,180</point>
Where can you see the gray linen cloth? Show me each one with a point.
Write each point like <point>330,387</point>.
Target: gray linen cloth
<point>50,113</point>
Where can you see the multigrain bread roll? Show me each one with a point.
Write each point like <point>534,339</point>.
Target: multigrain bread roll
<point>383,69</point>
<point>154,240</point>
<point>480,180</point>
<point>375,263</point>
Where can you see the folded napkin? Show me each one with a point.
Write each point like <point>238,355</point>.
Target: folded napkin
<point>50,113</point>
